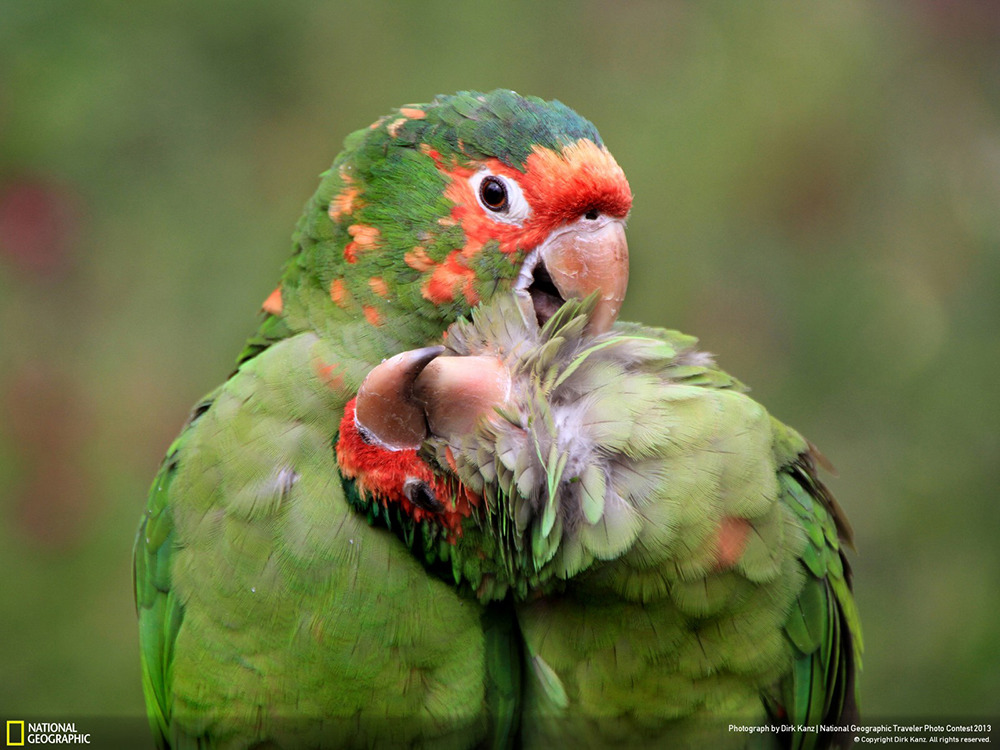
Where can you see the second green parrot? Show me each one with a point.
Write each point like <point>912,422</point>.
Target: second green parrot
<point>676,564</point>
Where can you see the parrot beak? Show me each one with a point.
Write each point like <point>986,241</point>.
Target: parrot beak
<point>456,392</point>
<point>386,411</point>
<point>576,260</point>
<point>416,390</point>
<point>418,393</point>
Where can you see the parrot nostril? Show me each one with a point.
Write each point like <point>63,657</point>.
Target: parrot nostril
<point>592,214</point>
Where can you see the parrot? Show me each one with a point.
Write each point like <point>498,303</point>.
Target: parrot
<point>677,567</point>
<point>274,608</point>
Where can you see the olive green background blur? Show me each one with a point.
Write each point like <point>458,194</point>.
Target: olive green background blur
<point>817,197</point>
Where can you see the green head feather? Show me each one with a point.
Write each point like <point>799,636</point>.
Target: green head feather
<point>380,228</point>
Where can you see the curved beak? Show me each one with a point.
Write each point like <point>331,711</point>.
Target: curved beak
<point>418,393</point>
<point>586,256</point>
<point>456,392</point>
<point>386,411</point>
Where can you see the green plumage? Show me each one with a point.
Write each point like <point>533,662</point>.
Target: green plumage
<point>607,479</point>
<point>257,584</point>
<point>589,599</point>
<point>271,613</point>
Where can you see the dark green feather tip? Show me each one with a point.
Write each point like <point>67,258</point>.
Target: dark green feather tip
<point>501,124</point>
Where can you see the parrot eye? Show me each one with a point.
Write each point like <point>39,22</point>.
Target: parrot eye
<point>420,494</point>
<point>501,196</point>
<point>493,194</point>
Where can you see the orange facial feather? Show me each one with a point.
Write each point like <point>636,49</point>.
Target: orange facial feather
<point>450,278</point>
<point>559,186</point>
<point>273,303</point>
<point>563,186</point>
<point>418,259</point>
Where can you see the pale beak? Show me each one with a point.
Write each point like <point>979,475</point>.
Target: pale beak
<point>418,392</point>
<point>456,392</point>
<point>386,411</point>
<point>580,258</point>
<point>413,395</point>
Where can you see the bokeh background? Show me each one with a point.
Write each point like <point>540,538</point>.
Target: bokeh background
<point>817,197</point>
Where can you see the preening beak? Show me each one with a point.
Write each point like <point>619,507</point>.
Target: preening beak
<point>457,391</point>
<point>417,393</point>
<point>586,256</point>
<point>386,410</point>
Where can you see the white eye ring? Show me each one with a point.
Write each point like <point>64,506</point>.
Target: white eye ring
<point>516,209</point>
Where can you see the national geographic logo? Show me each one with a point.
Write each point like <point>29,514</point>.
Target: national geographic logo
<point>21,733</point>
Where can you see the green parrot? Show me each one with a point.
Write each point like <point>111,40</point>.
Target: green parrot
<point>677,566</point>
<point>273,609</point>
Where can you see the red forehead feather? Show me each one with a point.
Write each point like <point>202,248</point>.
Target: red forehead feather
<point>559,186</point>
<point>563,186</point>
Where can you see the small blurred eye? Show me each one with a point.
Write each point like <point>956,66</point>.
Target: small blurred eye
<point>493,194</point>
<point>420,494</point>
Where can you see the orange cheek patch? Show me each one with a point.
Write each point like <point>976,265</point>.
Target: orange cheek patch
<point>478,227</point>
<point>450,278</point>
<point>338,294</point>
<point>559,186</point>
<point>372,316</point>
<point>731,541</point>
<point>273,303</point>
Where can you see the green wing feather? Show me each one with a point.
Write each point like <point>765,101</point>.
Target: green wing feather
<point>271,611</point>
<point>157,606</point>
<point>823,626</point>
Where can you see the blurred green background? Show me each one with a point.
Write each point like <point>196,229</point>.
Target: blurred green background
<point>817,197</point>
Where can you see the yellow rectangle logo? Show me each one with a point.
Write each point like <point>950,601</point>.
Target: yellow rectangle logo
<point>10,742</point>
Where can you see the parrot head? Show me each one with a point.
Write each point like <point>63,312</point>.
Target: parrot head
<point>427,215</point>
<point>437,207</point>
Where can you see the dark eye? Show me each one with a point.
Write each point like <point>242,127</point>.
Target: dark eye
<point>493,194</point>
<point>421,495</point>
<point>500,197</point>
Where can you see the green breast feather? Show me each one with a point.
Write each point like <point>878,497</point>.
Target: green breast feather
<point>678,562</point>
